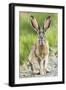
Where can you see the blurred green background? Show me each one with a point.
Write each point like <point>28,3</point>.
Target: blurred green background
<point>27,36</point>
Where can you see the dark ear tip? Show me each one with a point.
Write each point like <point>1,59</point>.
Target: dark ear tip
<point>49,17</point>
<point>32,17</point>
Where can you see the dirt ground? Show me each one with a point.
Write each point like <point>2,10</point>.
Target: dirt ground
<point>52,65</point>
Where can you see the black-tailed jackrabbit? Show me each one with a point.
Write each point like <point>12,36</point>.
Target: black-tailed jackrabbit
<point>38,56</point>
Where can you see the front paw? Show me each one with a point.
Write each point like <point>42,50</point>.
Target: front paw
<point>42,72</point>
<point>47,70</point>
<point>35,71</point>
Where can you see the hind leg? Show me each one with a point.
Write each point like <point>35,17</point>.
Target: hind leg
<point>35,70</point>
<point>35,66</point>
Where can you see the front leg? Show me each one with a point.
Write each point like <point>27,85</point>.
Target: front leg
<point>46,64</point>
<point>42,67</point>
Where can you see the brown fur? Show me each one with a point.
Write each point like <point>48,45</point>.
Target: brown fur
<point>41,50</point>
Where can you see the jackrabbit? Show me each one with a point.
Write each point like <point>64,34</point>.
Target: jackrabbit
<point>39,53</point>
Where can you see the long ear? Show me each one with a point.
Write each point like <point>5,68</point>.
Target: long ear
<point>34,23</point>
<point>47,22</point>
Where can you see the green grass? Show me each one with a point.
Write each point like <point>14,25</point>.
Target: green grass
<point>27,36</point>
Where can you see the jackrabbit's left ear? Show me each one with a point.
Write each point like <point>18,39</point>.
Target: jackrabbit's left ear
<point>47,22</point>
<point>34,23</point>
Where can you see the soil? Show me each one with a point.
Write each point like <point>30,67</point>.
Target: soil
<point>52,65</point>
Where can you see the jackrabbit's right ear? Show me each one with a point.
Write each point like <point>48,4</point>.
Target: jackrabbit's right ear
<point>34,23</point>
<point>47,22</point>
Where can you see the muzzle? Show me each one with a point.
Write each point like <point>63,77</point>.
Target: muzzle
<point>41,42</point>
